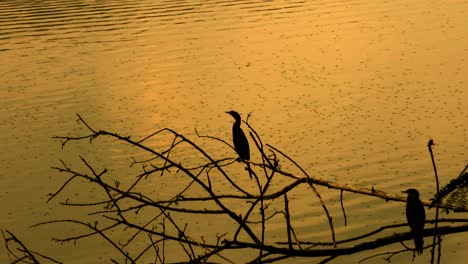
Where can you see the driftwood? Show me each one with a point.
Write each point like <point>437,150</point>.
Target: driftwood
<point>120,206</point>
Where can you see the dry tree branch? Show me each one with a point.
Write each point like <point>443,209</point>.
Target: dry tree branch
<point>187,172</point>
<point>330,220</point>
<point>436,235</point>
<point>374,232</point>
<point>159,224</point>
<point>94,228</point>
<point>27,254</point>
<point>342,207</point>
<point>357,248</point>
<point>288,221</point>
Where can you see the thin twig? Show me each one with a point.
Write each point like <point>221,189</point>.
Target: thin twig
<point>436,236</point>
<point>342,207</point>
<point>288,220</point>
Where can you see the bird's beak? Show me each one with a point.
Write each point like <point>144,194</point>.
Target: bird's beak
<point>405,191</point>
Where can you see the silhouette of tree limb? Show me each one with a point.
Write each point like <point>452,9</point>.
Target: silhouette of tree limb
<point>151,223</point>
<point>20,253</point>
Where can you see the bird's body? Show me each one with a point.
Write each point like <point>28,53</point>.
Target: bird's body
<point>416,217</point>
<point>241,145</point>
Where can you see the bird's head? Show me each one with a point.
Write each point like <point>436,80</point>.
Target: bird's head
<point>234,114</point>
<point>412,193</point>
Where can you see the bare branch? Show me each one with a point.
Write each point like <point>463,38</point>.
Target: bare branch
<point>154,222</point>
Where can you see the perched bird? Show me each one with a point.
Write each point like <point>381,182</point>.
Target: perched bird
<point>416,218</point>
<point>241,145</point>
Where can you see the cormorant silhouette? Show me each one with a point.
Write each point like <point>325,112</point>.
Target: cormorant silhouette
<point>241,145</point>
<point>416,218</point>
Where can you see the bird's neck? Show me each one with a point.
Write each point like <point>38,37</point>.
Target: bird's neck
<point>237,123</point>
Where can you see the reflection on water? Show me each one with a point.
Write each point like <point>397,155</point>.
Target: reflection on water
<point>352,89</point>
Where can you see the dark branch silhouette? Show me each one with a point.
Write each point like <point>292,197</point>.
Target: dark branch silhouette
<point>209,188</point>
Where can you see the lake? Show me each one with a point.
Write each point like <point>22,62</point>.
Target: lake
<point>352,90</point>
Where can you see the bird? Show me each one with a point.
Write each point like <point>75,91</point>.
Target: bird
<point>416,217</point>
<point>241,145</point>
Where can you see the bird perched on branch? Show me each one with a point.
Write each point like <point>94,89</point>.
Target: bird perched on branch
<point>241,145</point>
<point>416,218</point>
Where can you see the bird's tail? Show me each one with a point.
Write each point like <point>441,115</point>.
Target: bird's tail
<point>418,242</point>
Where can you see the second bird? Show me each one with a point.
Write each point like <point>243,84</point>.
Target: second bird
<point>416,218</point>
<point>241,145</point>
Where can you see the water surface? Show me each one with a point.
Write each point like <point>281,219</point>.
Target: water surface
<point>353,90</point>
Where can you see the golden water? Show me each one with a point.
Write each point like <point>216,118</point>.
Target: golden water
<point>352,90</point>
